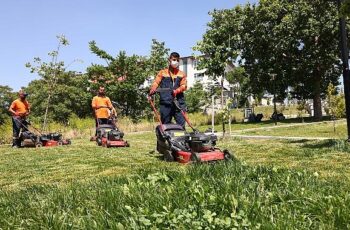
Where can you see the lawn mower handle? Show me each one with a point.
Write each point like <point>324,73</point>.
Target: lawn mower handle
<point>26,126</point>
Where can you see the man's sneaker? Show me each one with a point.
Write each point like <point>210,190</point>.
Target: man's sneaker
<point>15,146</point>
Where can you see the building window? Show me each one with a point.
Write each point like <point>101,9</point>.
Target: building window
<point>198,76</point>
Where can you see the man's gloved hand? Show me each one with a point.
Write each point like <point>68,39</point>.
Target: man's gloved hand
<point>175,92</point>
<point>152,91</point>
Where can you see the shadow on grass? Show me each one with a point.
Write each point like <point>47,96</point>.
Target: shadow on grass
<point>288,121</point>
<point>302,141</point>
<point>332,144</point>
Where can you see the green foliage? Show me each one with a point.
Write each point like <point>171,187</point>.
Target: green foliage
<point>125,75</point>
<point>296,40</point>
<point>123,78</point>
<point>335,102</point>
<point>219,46</point>
<point>6,98</point>
<point>239,81</point>
<point>69,97</point>
<point>58,93</point>
<point>158,58</point>
<point>100,53</point>
<point>6,130</point>
<point>345,8</point>
<point>196,98</point>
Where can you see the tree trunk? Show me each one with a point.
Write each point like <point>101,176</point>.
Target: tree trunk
<point>317,97</point>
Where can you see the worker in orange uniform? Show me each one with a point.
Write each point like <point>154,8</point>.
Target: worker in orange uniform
<point>20,109</point>
<point>102,107</point>
<point>174,79</point>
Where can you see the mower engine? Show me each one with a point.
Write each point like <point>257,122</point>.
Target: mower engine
<point>200,142</point>
<point>115,135</point>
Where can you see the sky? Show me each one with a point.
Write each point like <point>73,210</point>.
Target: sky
<point>29,29</point>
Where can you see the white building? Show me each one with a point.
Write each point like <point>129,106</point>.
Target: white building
<point>189,66</point>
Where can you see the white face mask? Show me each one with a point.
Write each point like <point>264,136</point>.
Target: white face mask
<point>174,64</point>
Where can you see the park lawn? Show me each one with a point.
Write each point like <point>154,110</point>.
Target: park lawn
<point>323,129</point>
<point>329,159</point>
<point>83,160</point>
<point>274,184</point>
<point>241,126</point>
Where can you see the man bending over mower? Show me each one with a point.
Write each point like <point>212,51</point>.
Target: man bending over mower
<point>174,79</point>
<point>20,109</point>
<point>102,107</point>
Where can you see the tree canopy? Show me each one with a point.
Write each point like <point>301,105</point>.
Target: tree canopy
<point>294,41</point>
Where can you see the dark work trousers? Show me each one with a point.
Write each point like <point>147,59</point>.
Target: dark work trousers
<point>100,121</point>
<point>18,124</point>
<point>167,112</point>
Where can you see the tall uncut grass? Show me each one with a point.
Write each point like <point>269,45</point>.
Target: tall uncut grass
<point>84,127</point>
<point>76,127</point>
<point>219,196</point>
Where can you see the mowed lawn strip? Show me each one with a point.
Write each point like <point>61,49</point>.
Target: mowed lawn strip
<point>83,160</point>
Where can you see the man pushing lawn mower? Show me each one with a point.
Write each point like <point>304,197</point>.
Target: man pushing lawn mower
<point>22,137</point>
<point>20,109</point>
<point>172,139</point>
<point>102,106</point>
<point>107,134</point>
<point>174,79</point>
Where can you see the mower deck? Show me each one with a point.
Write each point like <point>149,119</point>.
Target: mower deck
<point>177,145</point>
<point>109,136</point>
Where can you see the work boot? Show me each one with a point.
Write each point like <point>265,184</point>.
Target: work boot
<point>16,143</point>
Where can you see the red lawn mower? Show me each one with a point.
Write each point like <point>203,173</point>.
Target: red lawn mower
<point>175,144</point>
<point>108,135</point>
<point>30,139</point>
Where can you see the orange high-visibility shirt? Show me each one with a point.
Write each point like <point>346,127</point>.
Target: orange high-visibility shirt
<point>166,72</point>
<point>101,101</point>
<point>20,107</point>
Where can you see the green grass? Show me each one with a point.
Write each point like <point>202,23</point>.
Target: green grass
<point>330,159</point>
<point>324,129</point>
<point>274,185</point>
<point>222,196</point>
